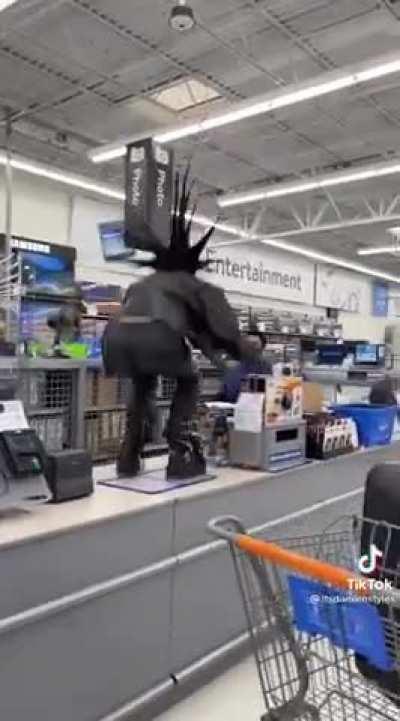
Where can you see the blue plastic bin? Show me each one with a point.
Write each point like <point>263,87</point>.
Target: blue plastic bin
<point>374,422</point>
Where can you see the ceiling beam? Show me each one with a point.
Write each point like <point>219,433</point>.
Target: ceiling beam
<point>323,84</point>
<point>270,191</point>
<point>339,225</point>
<point>322,228</point>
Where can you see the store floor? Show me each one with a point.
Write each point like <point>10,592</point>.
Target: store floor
<point>233,696</point>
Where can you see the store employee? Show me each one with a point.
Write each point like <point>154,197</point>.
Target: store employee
<point>258,365</point>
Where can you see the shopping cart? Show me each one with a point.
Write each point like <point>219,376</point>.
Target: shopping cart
<point>314,620</point>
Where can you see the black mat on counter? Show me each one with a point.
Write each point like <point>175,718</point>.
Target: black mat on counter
<point>153,482</point>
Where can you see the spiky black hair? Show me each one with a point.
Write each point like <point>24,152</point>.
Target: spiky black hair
<point>180,255</point>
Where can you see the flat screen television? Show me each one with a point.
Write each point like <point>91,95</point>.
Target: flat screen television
<point>33,320</point>
<point>331,354</point>
<point>47,269</point>
<point>112,241</point>
<point>113,244</point>
<point>46,274</point>
<point>34,328</point>
<point>370,354</point>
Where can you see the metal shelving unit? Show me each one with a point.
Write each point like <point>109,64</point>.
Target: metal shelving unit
<point>105,422</point>
<point>71,404</point>
<point>50,390</point>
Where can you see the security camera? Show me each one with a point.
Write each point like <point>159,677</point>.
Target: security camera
<point>181,17</point>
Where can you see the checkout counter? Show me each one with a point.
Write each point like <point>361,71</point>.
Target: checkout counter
<point>344,385</point>
<point>115,602</point>
<point>348,371</point>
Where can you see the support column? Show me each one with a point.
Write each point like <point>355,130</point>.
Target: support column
<point>8,228</point>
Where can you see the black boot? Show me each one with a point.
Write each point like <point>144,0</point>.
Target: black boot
<point>129,462</point>
<point>128,467</point>
<point>186,459</point>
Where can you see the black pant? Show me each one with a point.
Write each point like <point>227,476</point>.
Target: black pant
<point>142,408</point>
<point>147,351</point>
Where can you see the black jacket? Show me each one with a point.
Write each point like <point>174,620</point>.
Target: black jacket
<point>190,307</point>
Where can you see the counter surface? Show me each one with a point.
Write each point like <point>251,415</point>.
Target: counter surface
<point>109,602</point>
<point>110,503</point>
<point>105,504</point>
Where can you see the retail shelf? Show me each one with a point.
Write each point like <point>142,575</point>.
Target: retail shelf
<point>46,411</point>
<point>105,408</point>
<point>300,336</point>
<point>49,297</point>
<point>121,406</point>
<point>24,363</point>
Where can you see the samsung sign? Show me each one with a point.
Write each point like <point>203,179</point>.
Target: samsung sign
<point>30,245</point>
<point>259,271</point>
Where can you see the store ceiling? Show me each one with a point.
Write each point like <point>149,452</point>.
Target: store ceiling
<point>79,73</point>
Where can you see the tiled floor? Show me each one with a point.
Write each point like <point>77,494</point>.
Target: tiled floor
<point>234,696</point>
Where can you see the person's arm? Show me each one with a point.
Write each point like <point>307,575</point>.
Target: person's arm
<point>204,344</point>
<point>219,320</point>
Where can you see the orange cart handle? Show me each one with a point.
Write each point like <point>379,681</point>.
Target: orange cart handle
<point>231,529</point>
<point>307,566</point>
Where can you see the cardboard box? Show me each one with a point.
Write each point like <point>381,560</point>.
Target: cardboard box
<point>313,397</point>
<point>283,399</point>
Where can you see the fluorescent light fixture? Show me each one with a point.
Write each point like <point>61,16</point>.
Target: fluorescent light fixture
<point>313,255</point>
<point>324,84</point>
<point>74,181</point>
<point>378,250</point>
<point>330,259</point>
<point>381,249</point>
<point>266,192</point>
<point>281,100</point>
<point>111,154</point>
<point>4,4</point>
<point>250,110</point>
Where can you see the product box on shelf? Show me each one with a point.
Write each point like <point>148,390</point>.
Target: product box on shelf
<point>107,391</point>
<point>279,398</point>
<point>283,399</point>
<point>329,436</point>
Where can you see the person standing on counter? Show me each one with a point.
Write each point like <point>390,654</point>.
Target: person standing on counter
<point>162,316</point>
<point>236,376</point>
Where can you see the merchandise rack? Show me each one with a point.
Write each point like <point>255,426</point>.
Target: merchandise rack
<point>50,390</point>
<point>105,409</point>
<point>72,404</point>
